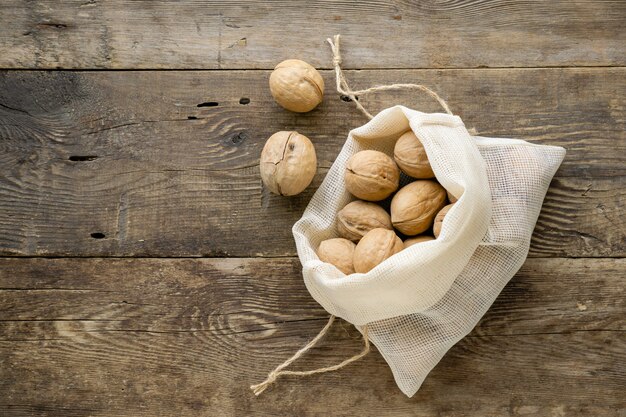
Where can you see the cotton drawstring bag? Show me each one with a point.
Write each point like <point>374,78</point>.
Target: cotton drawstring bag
<point>417,304</point>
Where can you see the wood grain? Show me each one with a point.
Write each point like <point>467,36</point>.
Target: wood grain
<point>165,163</point>
<point>152,337</point>
<point>126,34</point>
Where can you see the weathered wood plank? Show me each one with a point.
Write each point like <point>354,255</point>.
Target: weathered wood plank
<point>165,163</point>
<point>146,337</point>
<point>127,34</point>
<point>252,294</point>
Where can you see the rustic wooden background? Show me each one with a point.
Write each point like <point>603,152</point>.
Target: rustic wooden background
<point>146,272</point>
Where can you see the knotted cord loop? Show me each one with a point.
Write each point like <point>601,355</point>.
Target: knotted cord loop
<point>343,88</point>
<point>272,376</point>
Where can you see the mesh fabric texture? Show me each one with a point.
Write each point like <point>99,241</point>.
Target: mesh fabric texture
<point>420,302</point>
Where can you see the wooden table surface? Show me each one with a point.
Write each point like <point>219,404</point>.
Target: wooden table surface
<point>145,271</point>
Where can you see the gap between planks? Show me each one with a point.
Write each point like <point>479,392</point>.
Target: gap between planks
<point>324,68</point>
<point>174,257</point>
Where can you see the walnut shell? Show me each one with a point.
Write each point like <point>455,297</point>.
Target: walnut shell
<point>414,207</point>
<point>439,219</point>
<point>410,155</point>
<point>338,252</point>
<point>371,175</point>
<point>376,246</point>
<point>417,239</point>
<point>296,86</point>
<point>452,199</point>
<point>288,163</point>
<point>359,217</point>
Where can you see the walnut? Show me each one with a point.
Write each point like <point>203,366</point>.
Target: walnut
<point>376,246</point>
<point>417,239</point>
<point>371,175</point>
<point>452,199</point>
<point>414,207</point>
<point>359,217</point>
<point>296,86</point>
<point>410,155</point>
<point>439,219</point>
<point>338,252</point>
<point>288,163</point>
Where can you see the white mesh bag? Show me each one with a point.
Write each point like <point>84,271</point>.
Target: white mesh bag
<point>420,302</point>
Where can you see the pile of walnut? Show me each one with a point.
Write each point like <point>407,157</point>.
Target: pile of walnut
<point>288,160</point>
<point>366,229</point>
<point>289,163</point>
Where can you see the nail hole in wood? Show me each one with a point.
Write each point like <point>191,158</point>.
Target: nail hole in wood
<point>98,235</point>
<point>52,25</point>
<point>192,118</point>
<point>238,138</point>
<point>347,99</point>
<point>82,158</point>
<point>209,104</point>
<point>244,100</point>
